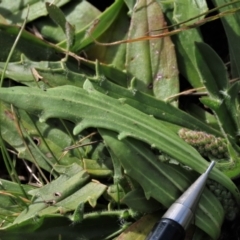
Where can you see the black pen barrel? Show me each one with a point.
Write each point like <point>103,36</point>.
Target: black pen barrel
<point>167,229</point>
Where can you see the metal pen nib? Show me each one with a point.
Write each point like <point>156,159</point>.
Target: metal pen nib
<point>183,209</point>
<point>178,217</point>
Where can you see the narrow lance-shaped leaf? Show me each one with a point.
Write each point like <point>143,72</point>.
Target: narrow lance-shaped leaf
<point>153,62</point>
<point>89,108</point>
<point>177,12</point>
<point>214,78</point>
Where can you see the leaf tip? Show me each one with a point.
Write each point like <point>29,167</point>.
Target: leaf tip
<point>123,135</point>
<point>80,126</point>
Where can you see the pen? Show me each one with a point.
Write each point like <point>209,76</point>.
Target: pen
<point>175,221</point>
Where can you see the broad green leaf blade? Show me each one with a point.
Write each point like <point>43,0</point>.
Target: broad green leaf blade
<point>89,108</point>
<point>96,28</point>
<point>164,182</point>
<point>153,62</point>
<point>16,11</point>
<point>184,41</point>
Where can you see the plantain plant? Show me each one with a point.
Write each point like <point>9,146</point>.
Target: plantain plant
<point>89,106</point>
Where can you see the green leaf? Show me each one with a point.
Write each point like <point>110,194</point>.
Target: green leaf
<point>95,29</point>
<point>137,201</point>
<point>57,74</point>
<point>86,194</point>
<point>152,106</point>
<point>153,62</point>
<point>114,193</point>
<point>12,200</point>
<point>78,13</point>
<point>51,133</point>
<point>54,225</point>
<point>213,70</point>
<point>113,55</point>
<point>49,74</point>
<point>29,45</point>
<point>205,116</point>
<point>215,80</point>
<point>15,11</point>
<point>118,175</point>
<point>13,188</point>
<point>98,168</point>
<point>231,27</point>
<point>226,123</point>
<point>58,17</point>
<point>66,186</point>
<point>164,182</point>
<point>89,108</point>
<point>182,11</point>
